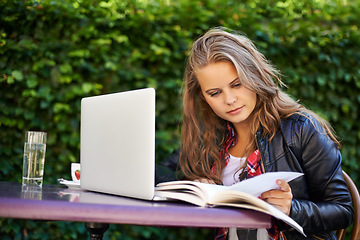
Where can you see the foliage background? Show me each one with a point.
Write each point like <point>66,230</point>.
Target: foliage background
<point>53,53</point>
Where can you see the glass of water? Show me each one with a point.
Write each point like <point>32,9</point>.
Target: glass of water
<point>34,158</point>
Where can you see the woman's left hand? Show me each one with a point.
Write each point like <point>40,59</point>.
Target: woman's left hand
<point>280,198</point>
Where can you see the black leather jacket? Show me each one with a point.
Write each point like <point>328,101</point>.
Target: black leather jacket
<point>321,200</point>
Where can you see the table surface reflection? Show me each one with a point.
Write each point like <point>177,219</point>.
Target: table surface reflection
<point>57,202</point>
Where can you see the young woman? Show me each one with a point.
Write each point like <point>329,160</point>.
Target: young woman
<point>238,123</point>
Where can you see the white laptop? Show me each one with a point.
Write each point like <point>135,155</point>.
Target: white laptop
<point>117,153</point>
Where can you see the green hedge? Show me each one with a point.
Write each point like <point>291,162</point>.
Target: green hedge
<point>53,53</point>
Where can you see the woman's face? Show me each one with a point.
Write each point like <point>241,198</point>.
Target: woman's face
<point>224,93</point>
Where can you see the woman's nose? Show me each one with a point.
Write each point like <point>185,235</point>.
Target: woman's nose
<point>230,98</point>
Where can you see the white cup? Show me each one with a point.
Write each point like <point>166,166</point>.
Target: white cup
<point>75,172</point>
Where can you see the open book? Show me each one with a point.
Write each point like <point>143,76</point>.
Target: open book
<point>244,194</point>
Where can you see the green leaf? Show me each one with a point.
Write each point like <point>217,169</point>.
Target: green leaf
<point>17,75</point>
<point>31,82</point>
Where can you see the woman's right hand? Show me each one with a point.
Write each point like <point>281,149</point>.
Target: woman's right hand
<point>205,180</point>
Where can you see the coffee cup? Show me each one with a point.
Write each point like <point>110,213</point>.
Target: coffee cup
<point>75,172</point>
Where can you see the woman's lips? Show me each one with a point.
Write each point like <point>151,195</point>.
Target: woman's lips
<point>235,111</point>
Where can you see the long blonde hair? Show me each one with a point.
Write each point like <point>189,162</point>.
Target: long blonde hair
<point>202,131</point>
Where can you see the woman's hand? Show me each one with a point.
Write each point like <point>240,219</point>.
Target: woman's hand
<point>204,180</point>
<point>280,198</point>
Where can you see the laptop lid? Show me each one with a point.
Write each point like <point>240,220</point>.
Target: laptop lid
<point>117,152</point>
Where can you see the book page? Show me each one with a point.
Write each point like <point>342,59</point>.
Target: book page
<point>204,190</point>
<point>183,187</point>
<point>186,196</point>
<point>238,199</point>
<point>254,186</point>
<point>264,182</point>
<point>243,194</point>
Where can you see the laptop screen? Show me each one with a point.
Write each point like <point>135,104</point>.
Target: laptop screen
<point>117,153</point>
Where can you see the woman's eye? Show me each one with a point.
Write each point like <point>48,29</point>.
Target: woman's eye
<point>237,85</point>
<point>213,94</point>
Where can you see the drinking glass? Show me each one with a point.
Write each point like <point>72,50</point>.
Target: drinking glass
<point>34,158</point>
